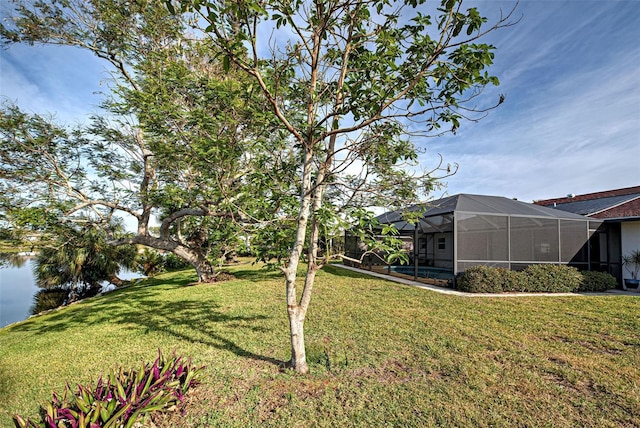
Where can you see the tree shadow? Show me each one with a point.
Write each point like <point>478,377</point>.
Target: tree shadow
<point>259,274</point>
<point>190,320</point>
<point>193,322</point>
<point>345,273</point>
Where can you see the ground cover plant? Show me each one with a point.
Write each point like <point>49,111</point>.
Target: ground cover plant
<point>120,399</point>
<point>380,353</point>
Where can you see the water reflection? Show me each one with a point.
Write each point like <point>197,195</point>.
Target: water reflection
<point>16,260</point>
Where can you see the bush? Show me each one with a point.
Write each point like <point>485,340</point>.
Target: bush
<point>122,399</point>
<point>552,278</point>
<point>481,279</point>
<point>597,281</point>
<point>172,262</point>
<point>514,281</point>
<point>535,278</point>
<point>149,262</point>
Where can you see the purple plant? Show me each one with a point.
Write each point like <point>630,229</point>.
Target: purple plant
<point>120,399</point>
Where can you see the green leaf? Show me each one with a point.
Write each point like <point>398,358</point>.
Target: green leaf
<point>226,63</point>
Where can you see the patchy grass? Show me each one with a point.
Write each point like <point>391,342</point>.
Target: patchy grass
<point>381,354</point>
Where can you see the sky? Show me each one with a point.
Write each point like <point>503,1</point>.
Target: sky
<point>570,71</point>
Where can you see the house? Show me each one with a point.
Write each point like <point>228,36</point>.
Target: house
<point>460,231</point>
<point>619,209</point>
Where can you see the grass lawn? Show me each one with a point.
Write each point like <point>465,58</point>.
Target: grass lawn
<point>381,354</point>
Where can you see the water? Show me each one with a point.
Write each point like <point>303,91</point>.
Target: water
<point>18,288</point>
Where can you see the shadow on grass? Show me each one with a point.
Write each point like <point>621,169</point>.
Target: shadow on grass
<point>271,274</point>
<point>144,308</point>
<point>257,275</point>
<point>345,273</point>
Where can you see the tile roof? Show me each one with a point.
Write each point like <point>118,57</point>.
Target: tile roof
<point>593,204</point>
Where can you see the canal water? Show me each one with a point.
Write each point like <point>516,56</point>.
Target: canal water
<point>18,287</point>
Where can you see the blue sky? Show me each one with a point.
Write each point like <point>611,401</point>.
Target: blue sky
<point>570,71</point>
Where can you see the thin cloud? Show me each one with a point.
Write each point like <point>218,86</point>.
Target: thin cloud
<point>570,123</point>
<point>572,116</point>
<point>52,80</point>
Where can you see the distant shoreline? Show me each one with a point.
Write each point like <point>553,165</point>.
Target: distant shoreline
<point>7,247</point>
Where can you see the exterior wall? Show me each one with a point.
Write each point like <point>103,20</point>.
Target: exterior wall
<point>443,250</point>
<point>630,236</point>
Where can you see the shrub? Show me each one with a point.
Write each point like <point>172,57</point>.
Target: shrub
<point>173,262</point>
<point>535,278</point>
<point>120,399</point>
<point>149,262</point>
<point>514,281</point>
<point>597,281</point>
<point>481,279</point>
<point>552,278</point>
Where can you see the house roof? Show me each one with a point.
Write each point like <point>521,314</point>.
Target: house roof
<point>477,204</point>
<point>617,203</point>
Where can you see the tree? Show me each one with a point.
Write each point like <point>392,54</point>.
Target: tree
<point>177,140</point>
<point>352,82</point>
<point>75,263</point>
<point>79,259</point>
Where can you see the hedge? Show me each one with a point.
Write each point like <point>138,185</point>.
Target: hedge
<point>552,278</point>
<point>543,278</point>
<point>597,281</point>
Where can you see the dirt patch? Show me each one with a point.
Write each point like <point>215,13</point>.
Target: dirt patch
<point>395,372</point>
<point>225,276</point>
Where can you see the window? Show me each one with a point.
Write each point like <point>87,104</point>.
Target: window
<point>442,244</point>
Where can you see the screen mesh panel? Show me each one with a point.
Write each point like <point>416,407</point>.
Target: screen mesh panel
<point>462,266</point>
<point>482,237</point>
<point>573,241</point>
<point>534,239</point>
<point>351,246</point>
<point>436,224</point>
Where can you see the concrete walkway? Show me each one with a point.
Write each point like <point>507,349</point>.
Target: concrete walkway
<point>444,290</point>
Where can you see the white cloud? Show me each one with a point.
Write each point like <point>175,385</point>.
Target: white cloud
<point>52,80</point>
<point>571,122</point>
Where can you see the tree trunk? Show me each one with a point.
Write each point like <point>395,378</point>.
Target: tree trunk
<point>113,279</point>
<point>295,311</point>
<point>206,272</point>
<point>296,326</point>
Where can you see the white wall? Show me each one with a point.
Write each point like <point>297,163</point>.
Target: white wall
<point>630,238</point>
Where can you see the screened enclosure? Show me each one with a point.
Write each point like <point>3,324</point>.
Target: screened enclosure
<point>455,233</point>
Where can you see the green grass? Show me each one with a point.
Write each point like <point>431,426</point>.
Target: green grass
<point>381,354</point>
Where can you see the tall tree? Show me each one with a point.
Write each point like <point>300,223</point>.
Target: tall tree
<point>366,76</point>
<point>177,139</point>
